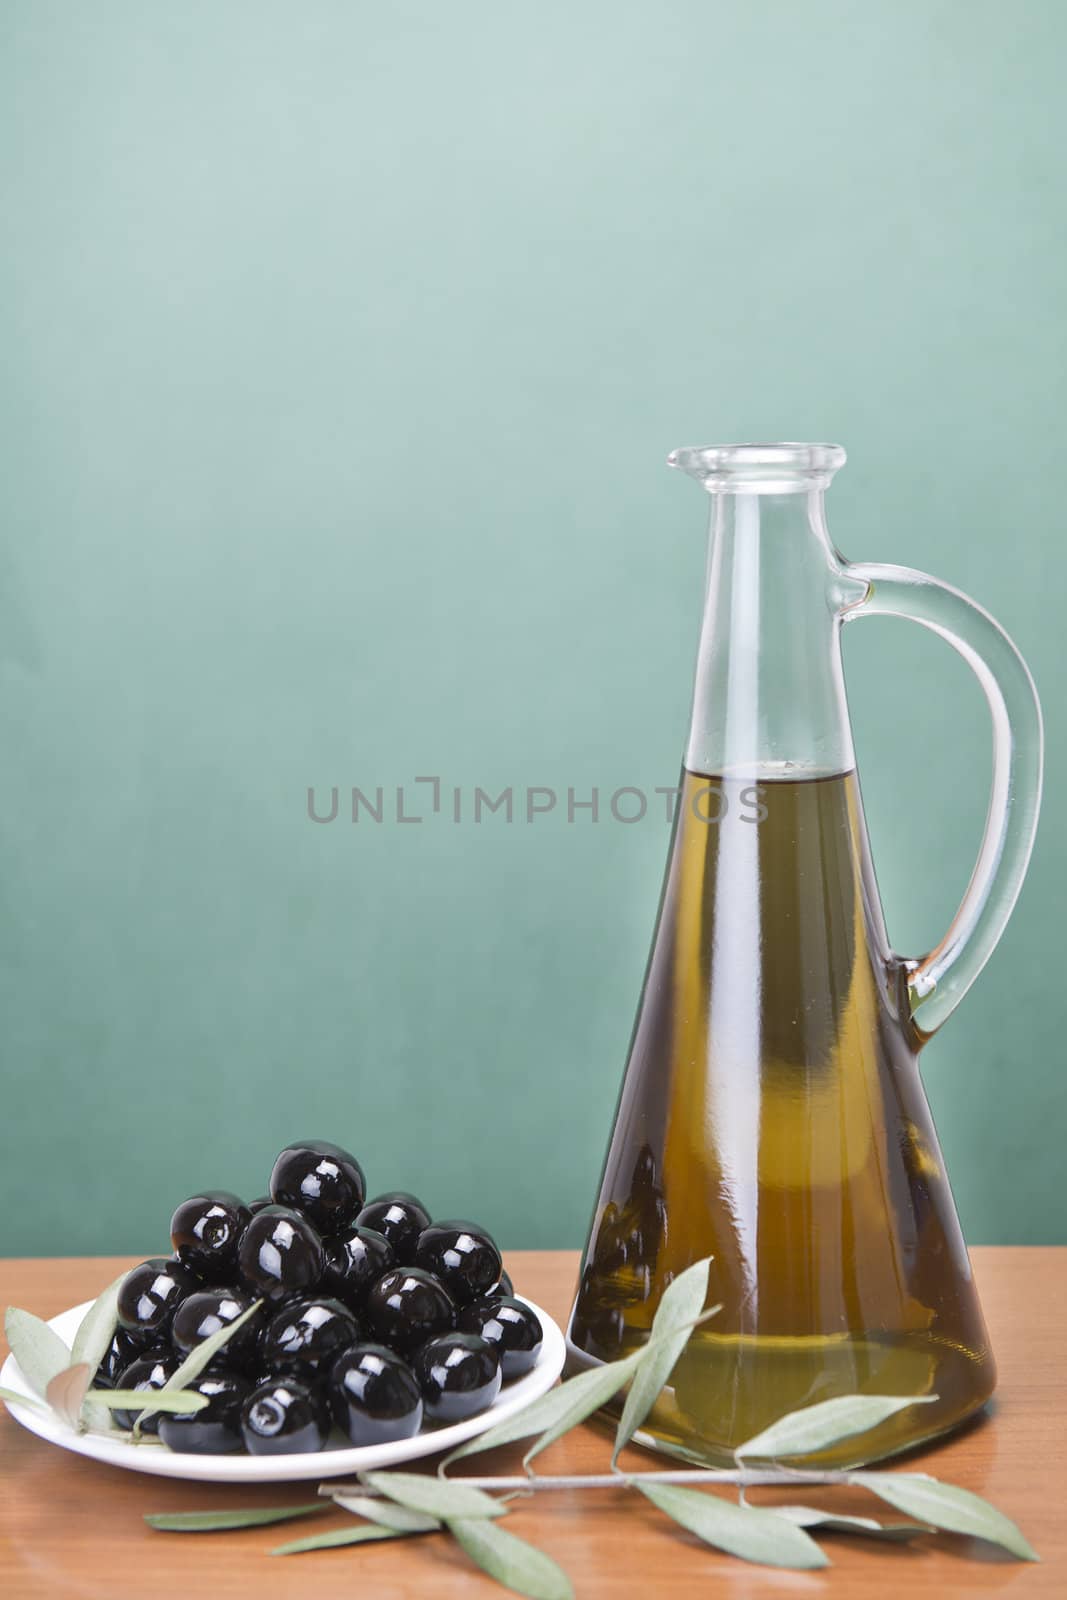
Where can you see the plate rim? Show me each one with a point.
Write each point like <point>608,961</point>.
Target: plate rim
<point>159,1462</point>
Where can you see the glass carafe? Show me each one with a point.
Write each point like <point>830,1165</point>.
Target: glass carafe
<point>772,1114</point>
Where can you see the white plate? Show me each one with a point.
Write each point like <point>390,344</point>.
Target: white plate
<point>164,1463</point>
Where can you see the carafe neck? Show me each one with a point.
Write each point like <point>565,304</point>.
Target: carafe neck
<point>769,699</point>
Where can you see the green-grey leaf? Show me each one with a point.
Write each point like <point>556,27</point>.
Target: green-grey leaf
<point>94,1334</point>
<point>946,1506</point>
<point>337,1536</point>
<point>557,1411</point>
<point>162,1399</point>
<point>12,1397</point>
<point>682,1302</point>
<point>195,1362</point>
<point>814,1428</point>
<point>97,1419</point>
<point>834,1522</point>
<point>744,1531</point>
<point>218,1521</point>
<point>97,1328</point>
<point>589,1391</point>
<point>511,1561</point>
<point>67,1391</point>
<point>389,1513</point>
<point>435,1497</point>
<point>37,1348</point>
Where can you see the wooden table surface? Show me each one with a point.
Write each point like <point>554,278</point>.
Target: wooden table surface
<point>69,1526</point>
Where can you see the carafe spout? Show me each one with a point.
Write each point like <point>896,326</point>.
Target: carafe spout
<point>769,696</point>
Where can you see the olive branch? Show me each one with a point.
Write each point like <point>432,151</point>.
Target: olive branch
<point>397,1505</point>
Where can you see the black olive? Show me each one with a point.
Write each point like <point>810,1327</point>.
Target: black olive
<point>401,1218</point>
<point>503,1285</point>
<point>321,1180</point>
<point>284,1416</point>
<point>150,1294</point>
<point>150,1371</point>
<point>307,1334</point>
<point>459,1375</point>
<point>355,1260</point>
<point>280,1252</point>
<point>463,1256</point>
<point>205,1232</point>
<point>407,1306</point>
<point>216,1430</point>
<point>123,1349</point>
<point>374,1395</point>
<point>206,1313</point>
<point>260,1204</point>
<point>513,1330</point>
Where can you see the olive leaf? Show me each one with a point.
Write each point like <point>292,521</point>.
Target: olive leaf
<point>220,1521</point>
<point>434,1497</point>
<point>37,1348</point>
<point>834,1522</point>
<point>511,1561</point>
<point>66,1393</point>
<point>389,1513</point>
<point>336,1536</point>
<point>555,1413</point>
<point>744,1531</point>
<point>813,1428</point>
<point>95,1332</point>
<point>164,1399</point>
<point>191,1367</point>
<point>602,1386</point>
<point>97,1328</point>
<point>948,1507</point>
<point>681,1304</point>
<point>96,1419</point>
<point>12,1397</point>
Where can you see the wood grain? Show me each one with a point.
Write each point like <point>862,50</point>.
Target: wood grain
<point>69,1526</point>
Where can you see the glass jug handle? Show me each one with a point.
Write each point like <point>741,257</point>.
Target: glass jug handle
<point>938,981</point>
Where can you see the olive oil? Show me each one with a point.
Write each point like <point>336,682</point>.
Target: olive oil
<point>772,1117</point>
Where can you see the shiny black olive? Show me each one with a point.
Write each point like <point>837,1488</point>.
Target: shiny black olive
<point>307,1333</point>
<point>355,1260</point>
<point>208,1311</point>
<point>374,1395</point>
<point>463,1256</point>
<point>205,1232</point>
<point>295,1371</point>
<point>322,1181</point>
<point>400,1217</point>
<point>260,1204</point>
<point>503,1285</point>
<point>216,1430</point>
<point>123,1349</point>
<point>513,1330</point>
<point>150,1294</point>
<point>150,1371</point>
<point>284,1416</point>
<point>459,1375</point>
<point>407,1306</point>
<point>253,1361</point>
<point>280,1252</point>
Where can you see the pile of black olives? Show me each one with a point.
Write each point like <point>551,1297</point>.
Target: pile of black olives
<point>375,1318</point>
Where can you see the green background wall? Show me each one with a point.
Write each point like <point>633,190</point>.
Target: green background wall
<point>344,344</point>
